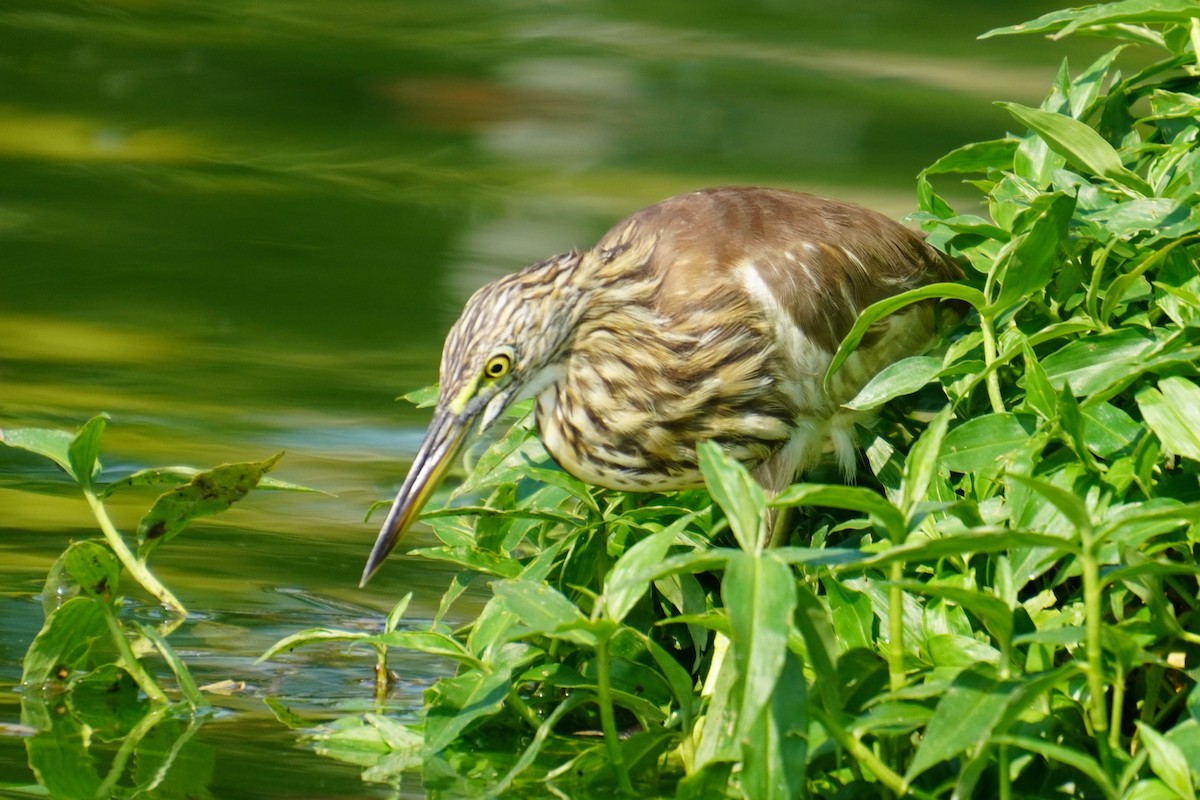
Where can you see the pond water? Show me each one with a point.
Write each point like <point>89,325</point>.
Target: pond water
<point>244,227</point>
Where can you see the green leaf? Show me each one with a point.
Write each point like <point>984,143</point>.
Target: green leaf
<point>1026,263</point>
<point>454,704</point>
<point>311,636</point>
<point>900,378</point>
<point>183,676</point>
<point>473,559</point>
<point>889,306</point>
<point>86,568</point>
<point>397,613</point>
<point>429,642</point>
<point>64,642</point>
<point>207,493</point>
<point>629,579</point>
<point>1127,12</point>
<point>851,498</point>
<point>1167,761</point>
<point>976,157</point>
<point>84,451</point>
<point>1095,363</point>
<point>921,465</point>
<point>53,444</point>
<point>1083,148</point>
<point>963,720</point>
<point>425,397</point>
<point>1070,504</point>
<point>1173,412</point>
<point>544,610</point>
<point>760,597</point>
<point>738,495</point>
<point>1039,393</point>
<point>980,444</point>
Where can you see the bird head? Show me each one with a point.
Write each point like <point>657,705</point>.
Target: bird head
<point>504,348</point>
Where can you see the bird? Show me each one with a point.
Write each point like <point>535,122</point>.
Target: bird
<point>709,316</point>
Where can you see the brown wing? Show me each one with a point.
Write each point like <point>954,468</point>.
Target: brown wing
<point>823,260</point>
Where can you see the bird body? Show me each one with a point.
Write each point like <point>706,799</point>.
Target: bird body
<point>711,316</point>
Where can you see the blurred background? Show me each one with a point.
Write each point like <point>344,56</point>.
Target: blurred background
<point>245,226</point>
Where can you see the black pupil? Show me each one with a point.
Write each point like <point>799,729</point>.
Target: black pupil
<point>497,368</point>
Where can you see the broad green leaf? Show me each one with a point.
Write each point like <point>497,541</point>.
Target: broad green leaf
<point>996,616</point>
<point>1082,146</point>
<point>1128,219</point>
<point>84,451</point>
<point>739,495</point>
<point>1173,412</point>
<point>474,559</point>
<point>1094,363</point>
<point>1126,12</point>
<point>207,493</point>
<point>775,748</point>
<point>454,704</point>
<point>86,568</point>
<point>760,597</point>
<point>976,157</point>
<point>1167,761</point>
<point>1026,264</point>
<point>980,444</point>
<point>53,444</point>
<point>851,498</point>
<point>63,643</point>
<point>978,540</point>
<point>628,580</point>
<point>1071,505</point>
<point>1108,430</point>
<point>963,720</point>
<point>425,397</point>
<point>544,610</point>
<point>889,306</point>
<point>175,476</point>
<point>900,378</point>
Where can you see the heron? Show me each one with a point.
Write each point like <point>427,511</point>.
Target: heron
<point>710,316</point>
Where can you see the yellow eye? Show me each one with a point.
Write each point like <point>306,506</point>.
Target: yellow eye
<point>497,366</point>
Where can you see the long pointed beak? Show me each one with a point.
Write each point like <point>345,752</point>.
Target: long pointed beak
<point>442,442</point>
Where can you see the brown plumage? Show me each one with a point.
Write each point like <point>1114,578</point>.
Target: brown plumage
<point>712,315</point>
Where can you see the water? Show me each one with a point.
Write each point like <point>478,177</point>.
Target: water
<point>244,227</point>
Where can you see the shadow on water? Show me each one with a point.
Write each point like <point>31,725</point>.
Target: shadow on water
<point>244,228</point>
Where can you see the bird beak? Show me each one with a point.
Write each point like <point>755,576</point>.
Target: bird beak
<point>442,442</point>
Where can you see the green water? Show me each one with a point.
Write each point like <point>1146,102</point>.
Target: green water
<point>244,226</point>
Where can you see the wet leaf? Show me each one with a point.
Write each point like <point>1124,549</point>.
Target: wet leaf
<point>64,642</point>
<point>84,451</point>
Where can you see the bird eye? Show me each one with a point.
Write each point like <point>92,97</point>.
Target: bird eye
<point>497,366</point>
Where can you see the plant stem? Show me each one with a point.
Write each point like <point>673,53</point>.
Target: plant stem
<point>989,358</point>
<point>132,564</point>
<point>896,628</point>
<point>131,663</point>
<point>1098,710</point>
<point>608,722</point>
<point>865,756</point>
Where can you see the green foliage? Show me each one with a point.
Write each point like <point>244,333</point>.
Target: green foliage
<point>1006,607</point>
<point>86,670</point>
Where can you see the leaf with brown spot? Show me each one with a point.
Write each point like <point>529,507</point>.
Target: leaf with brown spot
<point>206,493</point>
